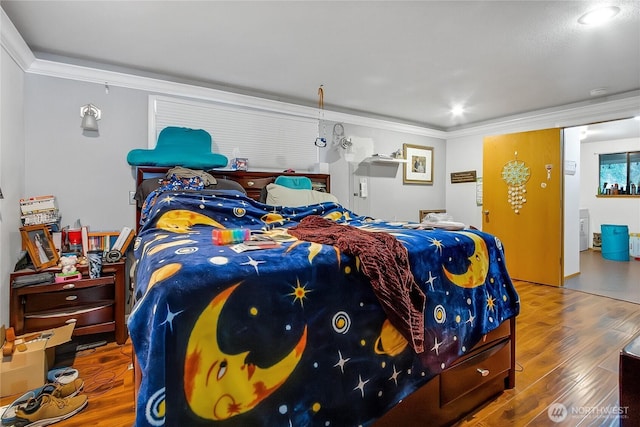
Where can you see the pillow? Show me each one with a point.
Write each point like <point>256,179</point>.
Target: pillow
<point>295,182</point>
<point>278,195</point>
<point>226,184</point>
<point>150,184</point>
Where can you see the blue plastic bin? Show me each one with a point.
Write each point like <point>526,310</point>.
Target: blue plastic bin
<point>615,242</point>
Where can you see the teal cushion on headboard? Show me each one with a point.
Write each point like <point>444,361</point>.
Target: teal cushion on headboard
<point>178,146</point>
<point>295,182</point>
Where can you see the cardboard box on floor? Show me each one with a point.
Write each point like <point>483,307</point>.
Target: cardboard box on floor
<point>27,370</point>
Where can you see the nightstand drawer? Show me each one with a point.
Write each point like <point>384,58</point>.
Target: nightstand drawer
<point>69,298</point>
<point>83,316</point>
<point>475,371</point>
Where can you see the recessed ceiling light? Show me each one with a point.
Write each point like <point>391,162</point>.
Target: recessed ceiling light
<point>598,16</point>
<point>457,110</point>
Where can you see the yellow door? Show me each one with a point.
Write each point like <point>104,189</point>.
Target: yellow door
<point>522,202</point>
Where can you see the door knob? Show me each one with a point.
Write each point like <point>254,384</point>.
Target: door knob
<point>486,212</point>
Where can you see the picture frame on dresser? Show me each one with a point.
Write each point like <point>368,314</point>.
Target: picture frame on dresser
<point>38,242</point>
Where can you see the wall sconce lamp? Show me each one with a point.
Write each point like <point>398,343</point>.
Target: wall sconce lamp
<point>90,115</point>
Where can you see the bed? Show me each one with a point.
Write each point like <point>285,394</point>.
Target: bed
<point>313,328</point>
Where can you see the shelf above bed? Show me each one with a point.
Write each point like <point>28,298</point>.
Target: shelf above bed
<point>383,159</point>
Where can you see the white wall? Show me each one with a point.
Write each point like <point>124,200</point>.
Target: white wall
<point>464,154</point>
<point>12,171</point>
<point>606,210</point>
<point>388,197</point>
<point>91,179</point>
<point>571,205</point>
<point>87,173</point>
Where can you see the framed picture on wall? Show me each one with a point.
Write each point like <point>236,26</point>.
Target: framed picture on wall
<point>37,240</point>
<point>419,166</point>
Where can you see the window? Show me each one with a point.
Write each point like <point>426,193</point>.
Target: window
<point>270,140</point>
<point>620,173</point>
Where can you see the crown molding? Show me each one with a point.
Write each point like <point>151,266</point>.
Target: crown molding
<point>613,107</point>
<point>14,44</point>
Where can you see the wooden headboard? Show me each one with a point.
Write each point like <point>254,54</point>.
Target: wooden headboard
<point>252,182</point>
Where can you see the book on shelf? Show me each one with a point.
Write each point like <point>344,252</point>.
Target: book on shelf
<point>85,239</point>
<point>106,241</point>
<point>102,240</point>
<point>37,204</point>
<point>124,239</point>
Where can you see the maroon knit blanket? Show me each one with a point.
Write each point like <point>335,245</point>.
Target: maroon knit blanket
<point>385,262</point>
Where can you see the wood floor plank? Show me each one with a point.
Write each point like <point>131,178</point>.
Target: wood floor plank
<point>610,402</point>
<point>580,403</point>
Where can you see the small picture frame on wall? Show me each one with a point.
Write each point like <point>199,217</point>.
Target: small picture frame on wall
<point>38,242</point>
<point>419,166</point>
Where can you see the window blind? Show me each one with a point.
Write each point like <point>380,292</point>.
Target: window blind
<point>269,140</point>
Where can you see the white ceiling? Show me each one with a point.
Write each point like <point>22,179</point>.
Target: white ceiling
<point>410,61</point>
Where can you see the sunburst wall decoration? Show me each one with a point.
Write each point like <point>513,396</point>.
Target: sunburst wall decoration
<point>516,174</point>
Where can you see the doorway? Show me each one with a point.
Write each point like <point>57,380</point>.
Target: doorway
<point>586,270</point>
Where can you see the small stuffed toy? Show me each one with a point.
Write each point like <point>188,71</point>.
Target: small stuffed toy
<point>69,264</point>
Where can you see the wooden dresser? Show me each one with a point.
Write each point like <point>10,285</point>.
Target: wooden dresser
<point>95,305</point>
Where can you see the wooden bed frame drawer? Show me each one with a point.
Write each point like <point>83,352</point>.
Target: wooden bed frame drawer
<point>475,371</point>
<point>69,298</point>
<point>499,333</point>
<point>83,316</point>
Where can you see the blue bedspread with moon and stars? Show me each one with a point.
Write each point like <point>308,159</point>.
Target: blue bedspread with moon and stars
<point>293,335</point>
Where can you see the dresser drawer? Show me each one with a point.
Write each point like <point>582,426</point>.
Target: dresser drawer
<point>475,371</point>
<point>67,298</point>
<point>100,312</point>
<point>249,183</point>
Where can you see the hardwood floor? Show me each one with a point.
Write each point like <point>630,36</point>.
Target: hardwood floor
<point>567,347</point>
<point>568,344</point>
<point>108,386</point>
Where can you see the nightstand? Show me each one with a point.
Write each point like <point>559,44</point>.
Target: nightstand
<point>95,305</point>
